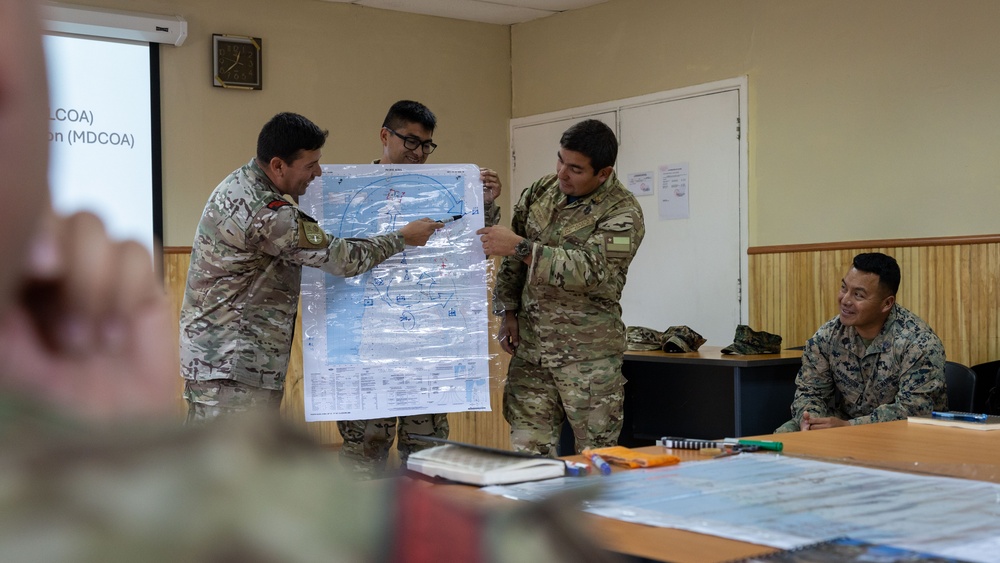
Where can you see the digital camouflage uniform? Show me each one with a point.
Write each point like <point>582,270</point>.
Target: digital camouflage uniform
<point>367,442</point>
<point>242,290</point>
<point>568,362</point>
<point>900,374</point>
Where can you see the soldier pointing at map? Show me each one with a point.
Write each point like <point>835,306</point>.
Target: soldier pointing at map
<point>242,289</point>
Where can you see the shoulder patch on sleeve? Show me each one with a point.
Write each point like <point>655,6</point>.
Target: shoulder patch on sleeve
<point>277,204</point>
<point>311,235</point>
<point>617,245</point>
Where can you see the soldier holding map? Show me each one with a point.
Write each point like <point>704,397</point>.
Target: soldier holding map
<point>406,139</point>
<point>574,234</point>
<point>242,289</point>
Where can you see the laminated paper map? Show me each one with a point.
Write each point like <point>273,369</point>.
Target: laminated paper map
<point>411,335</point>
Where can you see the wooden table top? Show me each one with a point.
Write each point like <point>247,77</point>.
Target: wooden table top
<point>899,446</point>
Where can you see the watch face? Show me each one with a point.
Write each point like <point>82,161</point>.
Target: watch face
<point>523,249</point>
<point>237,62</point>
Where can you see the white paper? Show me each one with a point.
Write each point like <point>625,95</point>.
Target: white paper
<point>411,335</point>
<point>674,190</point>
<point>642,183</point>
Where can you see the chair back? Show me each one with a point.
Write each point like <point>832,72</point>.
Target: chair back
<point>961,381</point>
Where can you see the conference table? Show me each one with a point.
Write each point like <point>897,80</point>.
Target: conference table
<point>706,394</point>
<point>896,446</point>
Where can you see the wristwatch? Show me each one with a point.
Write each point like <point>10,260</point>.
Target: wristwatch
<point>523,249</point>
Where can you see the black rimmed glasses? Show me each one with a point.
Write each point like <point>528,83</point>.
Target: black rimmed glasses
<point>411,143</point>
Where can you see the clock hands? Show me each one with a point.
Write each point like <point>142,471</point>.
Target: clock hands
<point>235,63</point>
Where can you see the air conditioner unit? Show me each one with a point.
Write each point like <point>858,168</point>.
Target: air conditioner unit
<point>116,24</point>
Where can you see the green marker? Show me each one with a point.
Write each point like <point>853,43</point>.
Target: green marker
<point>762,444</point>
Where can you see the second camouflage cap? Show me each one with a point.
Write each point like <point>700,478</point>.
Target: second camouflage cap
<point>750,341</point>
<point>681,339</point>
<point>642,338</point>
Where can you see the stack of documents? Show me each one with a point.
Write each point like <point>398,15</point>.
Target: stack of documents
<point>476,465</point>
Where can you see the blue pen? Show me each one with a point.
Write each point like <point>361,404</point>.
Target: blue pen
<point>966,416</point>
<point>599,463</point>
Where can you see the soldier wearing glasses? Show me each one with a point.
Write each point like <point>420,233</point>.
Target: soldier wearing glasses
<point>406,139</point>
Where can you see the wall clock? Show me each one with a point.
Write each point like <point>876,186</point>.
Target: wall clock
<point>236,62</point>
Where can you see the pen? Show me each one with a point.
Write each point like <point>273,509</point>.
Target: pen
<point>450,219</point>
<point>966,416</point>
<point>599,463</point>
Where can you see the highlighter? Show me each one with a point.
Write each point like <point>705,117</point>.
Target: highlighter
<point>762,444</point>
<point>599,463</point>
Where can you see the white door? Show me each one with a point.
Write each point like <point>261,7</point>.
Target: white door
<point>687,271</point>
<point>534,149</point>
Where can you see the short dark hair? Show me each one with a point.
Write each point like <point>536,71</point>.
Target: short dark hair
<point>593,139</point>
<point>883,266</point>
<point>285,135</point>
<point>408,111</point>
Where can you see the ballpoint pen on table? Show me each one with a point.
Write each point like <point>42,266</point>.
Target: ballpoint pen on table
<point>965,416</point>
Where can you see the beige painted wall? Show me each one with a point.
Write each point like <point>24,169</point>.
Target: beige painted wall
<point>340,65</point>
<point>868,119</point>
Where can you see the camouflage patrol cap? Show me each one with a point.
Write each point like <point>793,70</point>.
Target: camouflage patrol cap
<point>642,338</point>
<point>681,339</point>
<point>750,341</point>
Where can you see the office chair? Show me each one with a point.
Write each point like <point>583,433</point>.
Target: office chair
<point>961,382</point>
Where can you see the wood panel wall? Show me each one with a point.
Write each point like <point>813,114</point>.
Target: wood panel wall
<point>484,428</point>
<point>952,283</point>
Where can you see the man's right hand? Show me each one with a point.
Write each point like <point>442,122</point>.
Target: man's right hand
<point>509,335</point>
<point>416,233</point>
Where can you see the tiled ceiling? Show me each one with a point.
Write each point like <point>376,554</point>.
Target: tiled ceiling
<point>488,11</point>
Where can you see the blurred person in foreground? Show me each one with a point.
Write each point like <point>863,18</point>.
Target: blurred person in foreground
<point>90,470</point>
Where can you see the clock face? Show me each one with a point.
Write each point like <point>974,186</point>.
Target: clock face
<point>237,62</point>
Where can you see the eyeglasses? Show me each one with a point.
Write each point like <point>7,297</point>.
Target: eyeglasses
<point>411,143</point>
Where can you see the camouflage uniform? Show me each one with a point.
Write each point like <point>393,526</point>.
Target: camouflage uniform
<point>900,374</point>
<point>491,213</point>
<point>367,442</point>
<point>242,290</point>
<point>155,492</point>
<point>572,338</point>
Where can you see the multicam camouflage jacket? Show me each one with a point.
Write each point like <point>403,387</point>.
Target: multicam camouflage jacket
<point>491,213</point>
<point>242,288</point>
<point>900,374</point>
<point>568,298</point>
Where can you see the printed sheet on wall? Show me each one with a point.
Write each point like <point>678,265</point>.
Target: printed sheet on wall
<point>410,336</point>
